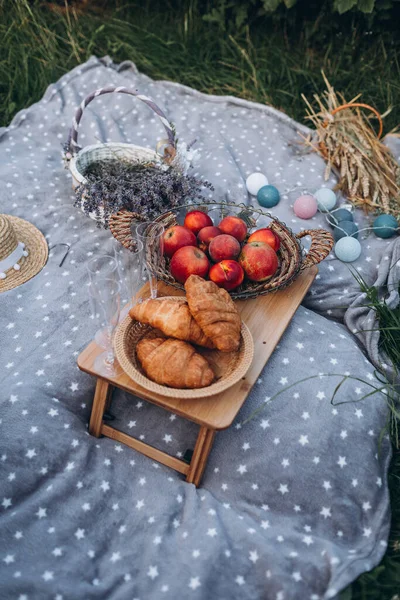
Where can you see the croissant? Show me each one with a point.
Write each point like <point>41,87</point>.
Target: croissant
<point>174,363</point>
<point>173,318</point>
<point>215,312</point>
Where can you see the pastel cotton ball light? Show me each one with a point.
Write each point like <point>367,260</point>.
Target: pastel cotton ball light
<point>305,206</point>
<point>268,196</point>
<point>385,226</point>
<point>345,228</point>
<point>254,182</point>
<point>348,249</point>
<point>326,199</point>
<point>341,214</point>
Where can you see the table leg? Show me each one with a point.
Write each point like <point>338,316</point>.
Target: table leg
<point>200,454</point>
<point>101,396</point>
<point>109,398</point>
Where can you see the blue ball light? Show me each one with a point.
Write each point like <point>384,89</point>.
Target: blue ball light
<point>326,199</point>
<point>385,226</point>
<point>268,196</point>
<point>344,229</point>
<point>341,214</point>
<point>347,249</point>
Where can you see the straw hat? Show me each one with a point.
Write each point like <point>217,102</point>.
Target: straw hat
<point>23,251</point>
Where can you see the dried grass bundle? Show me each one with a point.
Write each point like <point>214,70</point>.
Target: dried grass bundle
<point>368,173</point>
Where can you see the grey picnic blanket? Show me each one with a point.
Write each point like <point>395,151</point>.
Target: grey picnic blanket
<point>293,503</point>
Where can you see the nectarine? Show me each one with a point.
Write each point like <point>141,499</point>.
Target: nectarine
<point>258,261</point>
<point>196,220</point>
<point>224,247</point>
<point>206,235</point>
<point>227,274</point>
<point>234,226</point>
<point>187,261</point>
<point>266,235</point>
<point>177,237</point>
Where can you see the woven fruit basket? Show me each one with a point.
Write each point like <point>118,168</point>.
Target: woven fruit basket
<point>292,256</point>
<point>78,159</point>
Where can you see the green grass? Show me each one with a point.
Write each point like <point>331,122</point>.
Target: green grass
<point>272,61</point>
<point>383,582</point>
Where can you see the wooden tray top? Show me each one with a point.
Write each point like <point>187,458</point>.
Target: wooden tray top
<point>267,318</point>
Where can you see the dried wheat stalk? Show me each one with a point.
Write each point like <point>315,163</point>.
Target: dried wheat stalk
<point>368,173</point>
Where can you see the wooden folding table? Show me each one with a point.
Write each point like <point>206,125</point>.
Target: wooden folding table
<point>267,318</point>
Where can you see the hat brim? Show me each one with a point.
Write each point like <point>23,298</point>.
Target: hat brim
<point>37,247</point>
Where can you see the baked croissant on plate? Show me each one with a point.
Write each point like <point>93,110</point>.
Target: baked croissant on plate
<point>173,318</point>
<point>215,313</point>
<point>174,363</point>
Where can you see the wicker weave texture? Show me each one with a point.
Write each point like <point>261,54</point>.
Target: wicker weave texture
<point>113,150</point>
<point>120,227</point>
<point>322,244</point>
<point>72,142</point>
<point>35,244</point>
<point>8,238</point>
<point>80,159</point>
<point>233,368</point>
<point>91,154</point>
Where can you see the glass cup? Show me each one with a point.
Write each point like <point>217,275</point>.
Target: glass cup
<point>100,267</point>
<point>130,268</point>
<point>151,237</point>
<point>106,304</point>
<point>103,265</point>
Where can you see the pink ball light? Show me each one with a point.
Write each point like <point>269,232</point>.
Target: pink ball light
<point>305,206</point>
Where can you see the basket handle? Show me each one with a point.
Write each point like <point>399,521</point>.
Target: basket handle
<point>321,244</point>
<point>72,145</point>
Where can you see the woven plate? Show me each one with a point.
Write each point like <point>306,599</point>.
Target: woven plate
<point>229,367</point>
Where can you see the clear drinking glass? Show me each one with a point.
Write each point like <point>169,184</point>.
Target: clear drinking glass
<point>130,268</point>
<point>151,236</point>
<point>94,309</point>
<point>100,267</point>
<point>106,301</point>
<point>104,265</point>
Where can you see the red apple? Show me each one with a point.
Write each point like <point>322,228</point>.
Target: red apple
<point>187,261</point>
<point>266,235</point>
<point>227,274</point>
<point>176,237</point>
<point>206,235</point>
<point>234,226</point>
<point>224,247</point>
<point>196,220</point>
<point>258,261</point>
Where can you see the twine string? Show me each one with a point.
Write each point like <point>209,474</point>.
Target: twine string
<point>336,221</point>
<point>337,226</point>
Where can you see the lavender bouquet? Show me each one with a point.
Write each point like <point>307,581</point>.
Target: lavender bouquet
<point>112,185</point>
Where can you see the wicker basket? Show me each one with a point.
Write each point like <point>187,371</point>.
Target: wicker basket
<point>229,367</point>
<point>78,159</point>
<point>292,256</point>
